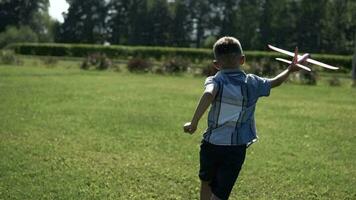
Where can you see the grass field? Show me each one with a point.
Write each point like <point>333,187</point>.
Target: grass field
<point>71,134</point>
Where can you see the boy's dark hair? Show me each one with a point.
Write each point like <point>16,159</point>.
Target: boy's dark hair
<point>227,46</point>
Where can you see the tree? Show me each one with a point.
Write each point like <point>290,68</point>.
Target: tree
<point>225,16</point>
<point>138,22</point>
<point>181,25</point>
<point>310,24</point>
<point>85,22</point>
<point>335,24</point>
<point>248,24</point>
<point>160,19</point>
<point>201,17</point>
<point>315,26</point>
<point>22,15</point>
<point>20,12</point>
<point>118,21</point>
<point>354,65</point>
<point>13,34</point>
<point>43,25</point>
<point>351,24</point>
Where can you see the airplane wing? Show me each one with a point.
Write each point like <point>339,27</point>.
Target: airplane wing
<point>321,64</point>
<point>308,60</point>
<point>289,62</point>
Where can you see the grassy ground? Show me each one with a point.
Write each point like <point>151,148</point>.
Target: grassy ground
<point>70,134</point>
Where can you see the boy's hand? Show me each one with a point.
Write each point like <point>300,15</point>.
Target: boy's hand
<point>190,127</point>
<point>293,67</point>
<point>279,79</point>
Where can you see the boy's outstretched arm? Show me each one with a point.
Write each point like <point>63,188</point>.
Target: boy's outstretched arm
<point>204,103</point>
<point>280,78</point>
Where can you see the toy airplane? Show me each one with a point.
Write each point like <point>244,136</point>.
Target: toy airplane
<point>309,60</point>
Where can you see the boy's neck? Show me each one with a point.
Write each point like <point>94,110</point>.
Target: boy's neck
<point>230,67</point>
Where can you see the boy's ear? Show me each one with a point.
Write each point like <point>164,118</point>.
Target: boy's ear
<point>242,60</point>
<point>216,64</point>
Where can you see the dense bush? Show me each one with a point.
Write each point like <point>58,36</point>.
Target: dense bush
<point>80,50</point>
<point>14,34</point>
<point>139,65</point>
<point>308,78</point>
<point>97,61</point>
<point>334,82</point>
<point>9,58</point>
<point>49,61</point>
<point>262,67</point>
<point>175,65</point>
<point>209,70</point>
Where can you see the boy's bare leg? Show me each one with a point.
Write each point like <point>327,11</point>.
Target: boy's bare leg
<point>205,191</point>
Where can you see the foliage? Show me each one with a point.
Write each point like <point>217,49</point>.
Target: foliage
<point>16,35</point>
<point>21,12</point>
<point>354,64</point>
<point>195,55</point>
<point>9,58</point>
<point>334,82</point>
<point>139,65</point>
<point>324,26</point>
<point>97,61</point>
<point>29,17</point>
<point>175,65</point>
<point>308,78</point>
<point>49,61</point>
<point>208,70</point>
<point>209,42</point>
<point>73,134</point>
<point>262,67</point>
<point>84,22</point>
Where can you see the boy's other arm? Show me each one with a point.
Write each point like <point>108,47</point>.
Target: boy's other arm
<point>204,103</point>
<point>280,78</point>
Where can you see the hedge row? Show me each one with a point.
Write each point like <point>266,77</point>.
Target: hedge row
<point>116,51</point>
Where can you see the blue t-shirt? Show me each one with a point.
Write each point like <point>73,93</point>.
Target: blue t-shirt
<point>231,116</point>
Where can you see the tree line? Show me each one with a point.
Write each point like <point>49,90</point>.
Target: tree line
<point>315,26</point>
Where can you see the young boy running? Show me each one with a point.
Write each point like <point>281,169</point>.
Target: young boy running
<point>232,95</point>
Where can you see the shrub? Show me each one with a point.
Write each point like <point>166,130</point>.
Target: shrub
<point>104,63</point>
<point>9,58</point>
<point>209,70</point>
<point>138,65</point>
<point>117,51</point>
<point>15,35</point>
<point>254,68</point>
<point>175,65</point>
<point>85,65</point>
<point>334,82</point>
<point>97,61</point>
<point>49,61</point>
<point>308,78</point>
<point>209,42</point>
<point>158,70</point>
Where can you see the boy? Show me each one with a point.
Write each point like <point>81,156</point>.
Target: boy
<point>232,95</point>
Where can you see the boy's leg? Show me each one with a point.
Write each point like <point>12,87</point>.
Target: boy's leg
<point>228,171</point>
<point>205,191</point>
<point>207,169</point>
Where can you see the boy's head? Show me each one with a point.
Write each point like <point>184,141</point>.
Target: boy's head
<point>228,53</point>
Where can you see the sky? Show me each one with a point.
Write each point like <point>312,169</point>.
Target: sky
<point>56,8</point>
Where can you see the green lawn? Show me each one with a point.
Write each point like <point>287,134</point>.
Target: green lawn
<point>71,134</point>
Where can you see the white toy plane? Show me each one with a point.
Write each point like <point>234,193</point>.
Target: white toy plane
<point>300,58</point>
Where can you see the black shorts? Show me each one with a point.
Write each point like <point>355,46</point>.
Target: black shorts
<point>221,165</point>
